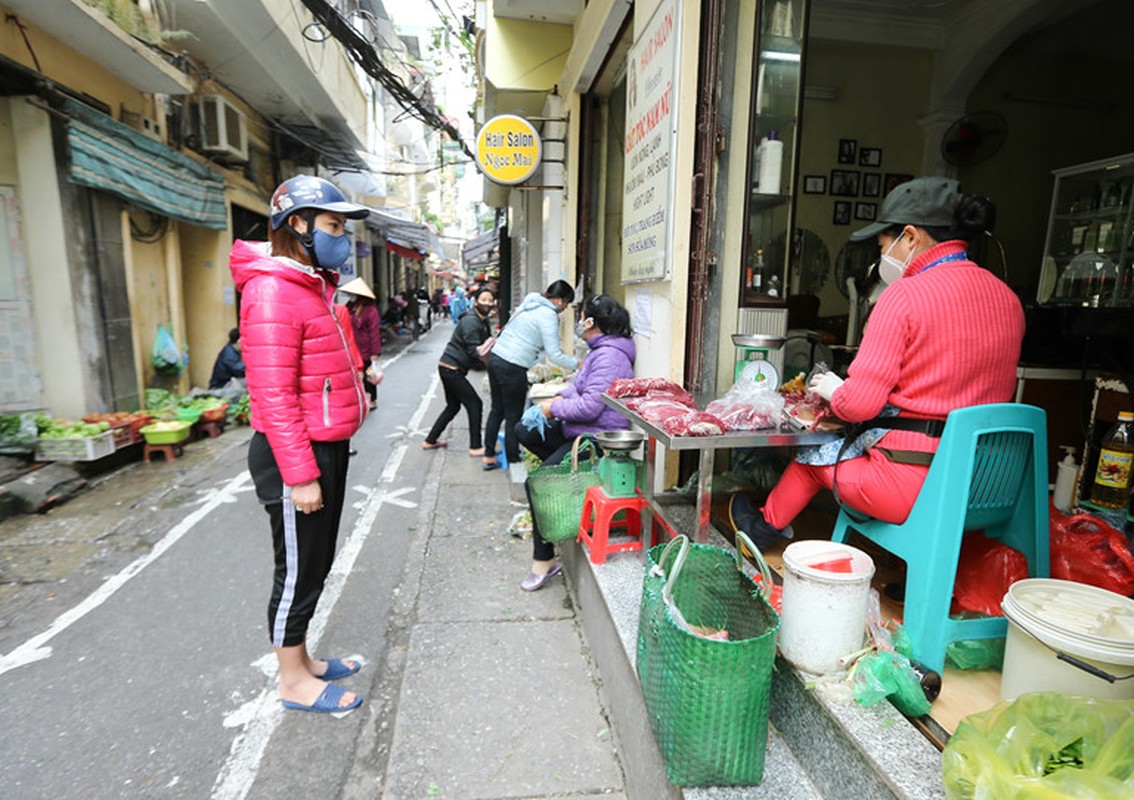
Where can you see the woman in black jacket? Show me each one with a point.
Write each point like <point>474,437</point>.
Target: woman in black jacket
<point>459,357</point>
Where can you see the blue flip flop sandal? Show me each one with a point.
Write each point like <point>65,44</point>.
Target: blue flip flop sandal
<point>490,467</point>
<point>327,702</point>
<point>337,669</point>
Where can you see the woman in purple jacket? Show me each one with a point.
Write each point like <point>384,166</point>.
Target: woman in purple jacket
<point>578,409</point>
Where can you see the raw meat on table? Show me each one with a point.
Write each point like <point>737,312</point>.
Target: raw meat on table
<point>695,423</point>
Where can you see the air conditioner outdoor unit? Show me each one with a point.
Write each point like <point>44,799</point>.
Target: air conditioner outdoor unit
<point>224,131</point>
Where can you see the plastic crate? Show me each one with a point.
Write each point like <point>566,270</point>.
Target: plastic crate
<point>89,448</point>
<point>122,434</point>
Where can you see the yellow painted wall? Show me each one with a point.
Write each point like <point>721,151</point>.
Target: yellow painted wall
<point>881,94</point>
<point>68,68</point>
<point>8,174</point>
<point>150,306</point>
<point>736,183</point>
<point>204,275</point>
<point>525,55</point>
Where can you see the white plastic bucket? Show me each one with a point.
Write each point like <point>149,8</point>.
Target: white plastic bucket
<point>824,612</point>
<point>1047,617</point>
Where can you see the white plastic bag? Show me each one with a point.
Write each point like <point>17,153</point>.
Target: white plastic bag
<point>748,406</point>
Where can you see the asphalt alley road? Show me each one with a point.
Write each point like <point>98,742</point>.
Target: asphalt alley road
<point>158,679</point>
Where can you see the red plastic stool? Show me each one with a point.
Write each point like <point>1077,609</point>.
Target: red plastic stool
<point>170,451</point>
<point>210,429</point>
<point>598,520</point>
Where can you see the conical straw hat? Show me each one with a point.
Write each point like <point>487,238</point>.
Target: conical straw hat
<point>358,286</point>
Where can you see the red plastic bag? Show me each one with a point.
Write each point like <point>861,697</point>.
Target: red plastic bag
<point>985,570</point>
<point>1087,550</point>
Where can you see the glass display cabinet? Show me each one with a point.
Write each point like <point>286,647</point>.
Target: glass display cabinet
<point>777,101</point>
<point>1088,256</point>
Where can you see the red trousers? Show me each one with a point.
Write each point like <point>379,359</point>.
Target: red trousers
<point>871,484</point>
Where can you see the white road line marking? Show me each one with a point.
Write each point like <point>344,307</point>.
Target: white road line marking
<point>260,716</point>
<point>35,649</point>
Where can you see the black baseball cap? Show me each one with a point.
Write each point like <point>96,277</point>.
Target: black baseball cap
<point>922,202</point>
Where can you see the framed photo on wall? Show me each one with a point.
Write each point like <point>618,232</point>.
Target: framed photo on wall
<point>844,182</point>
<point>866,211</point>
<point>870,157</point>
<point>894,179</point>
<point>814,184</point>
<point>847,150</point>
<point>871,184</point>
<point>842,212</point>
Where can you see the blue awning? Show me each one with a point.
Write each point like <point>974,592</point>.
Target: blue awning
<point>107,155</point>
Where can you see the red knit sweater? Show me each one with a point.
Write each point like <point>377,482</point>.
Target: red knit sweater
<point>939,339</point>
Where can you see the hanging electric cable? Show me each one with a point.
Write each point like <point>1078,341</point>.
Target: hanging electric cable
<point>364,54</point>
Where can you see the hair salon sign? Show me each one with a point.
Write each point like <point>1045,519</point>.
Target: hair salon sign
<point>508,149</point>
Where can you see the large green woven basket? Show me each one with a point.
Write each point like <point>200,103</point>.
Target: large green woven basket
<point>557,492</point>
<point>707,700</point>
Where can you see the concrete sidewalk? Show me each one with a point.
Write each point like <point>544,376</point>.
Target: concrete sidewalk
<point>488,691</point>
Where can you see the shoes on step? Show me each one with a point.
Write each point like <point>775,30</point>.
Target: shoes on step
<point>434,445</point>
<point>534,582</point>
<point>744,516</point>
<point>327,702</point>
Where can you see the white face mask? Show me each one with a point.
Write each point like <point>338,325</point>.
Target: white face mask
<point>890,268</point>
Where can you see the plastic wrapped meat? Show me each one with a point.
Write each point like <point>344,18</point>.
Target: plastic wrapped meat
<point>695,423</point>
<point>638,387</point>
<point>657,409</point>
<point>742,417</point>
<point>748,407</point>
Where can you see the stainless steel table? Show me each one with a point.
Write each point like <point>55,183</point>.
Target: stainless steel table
<point>784,436</point>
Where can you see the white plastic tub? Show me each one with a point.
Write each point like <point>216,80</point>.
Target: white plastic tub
<point>1047,617</point>
<point>824,612</point>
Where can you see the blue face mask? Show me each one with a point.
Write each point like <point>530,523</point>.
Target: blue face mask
<point>331,251</point>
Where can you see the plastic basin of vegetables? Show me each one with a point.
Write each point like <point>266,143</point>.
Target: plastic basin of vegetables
<point>166,432</point>
<point>189,415</point>
<point>215,414</point>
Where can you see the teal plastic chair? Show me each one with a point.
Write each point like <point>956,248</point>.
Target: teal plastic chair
<point>989,474</point>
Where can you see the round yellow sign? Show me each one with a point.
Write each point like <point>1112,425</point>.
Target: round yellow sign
<point>508,149</point>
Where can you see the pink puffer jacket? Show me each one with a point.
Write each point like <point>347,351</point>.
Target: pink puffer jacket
<point>299,363</point>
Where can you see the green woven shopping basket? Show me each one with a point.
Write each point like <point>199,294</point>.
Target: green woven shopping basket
<point>557,492</point>
<point>707,699</point>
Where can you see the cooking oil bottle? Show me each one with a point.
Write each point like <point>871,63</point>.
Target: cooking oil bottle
<point>1112,478</point>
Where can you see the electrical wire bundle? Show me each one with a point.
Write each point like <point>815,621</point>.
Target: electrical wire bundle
<point>363,53</point>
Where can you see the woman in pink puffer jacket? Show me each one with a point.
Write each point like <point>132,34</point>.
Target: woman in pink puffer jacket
<point>302,370</point>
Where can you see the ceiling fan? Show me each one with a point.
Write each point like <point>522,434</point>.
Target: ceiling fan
<point>974,138</point>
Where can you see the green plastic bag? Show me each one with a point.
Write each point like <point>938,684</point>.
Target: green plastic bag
<point>1043,745</point>
<point>975,654</point>
<point>881,675</point>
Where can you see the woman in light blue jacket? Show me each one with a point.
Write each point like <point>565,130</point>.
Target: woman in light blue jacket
<point>532,330</point>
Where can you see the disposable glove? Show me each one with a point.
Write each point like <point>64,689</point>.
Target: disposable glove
<point>825,384</point>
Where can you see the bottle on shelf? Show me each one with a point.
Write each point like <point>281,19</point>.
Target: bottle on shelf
<point>1111,488</point>
<point>756,282</point>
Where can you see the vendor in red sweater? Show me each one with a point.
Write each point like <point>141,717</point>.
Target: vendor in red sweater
<point>944,334</point>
